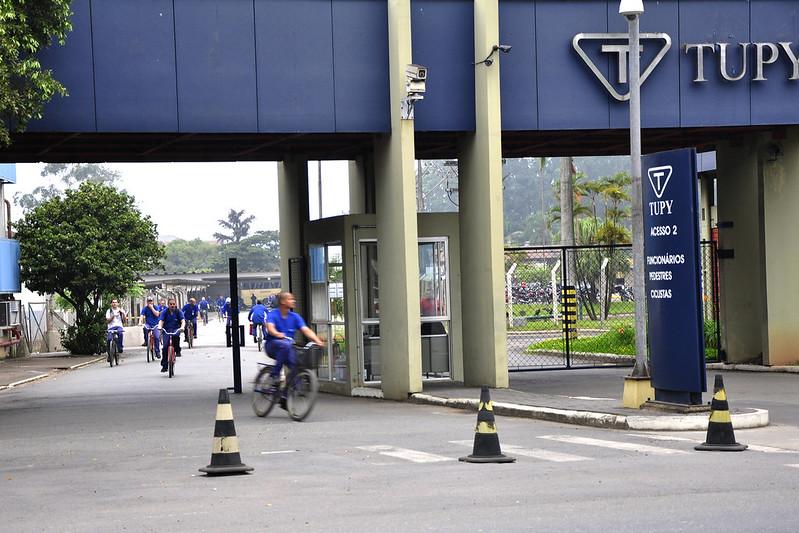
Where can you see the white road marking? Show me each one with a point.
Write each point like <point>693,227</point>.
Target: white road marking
<point>794,466</point>
<point>536,453</point>
<point>405,454</point>
<point>278,451</point>
<point>625,446</point>
<point>755,447</point>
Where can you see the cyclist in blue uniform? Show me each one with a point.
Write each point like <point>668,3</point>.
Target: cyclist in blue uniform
<point>149,317</point>
<point>204,306</point>
<point>171,321</point>
<point>281,326</point>
<point>190,313</point>
<point>257,315</point>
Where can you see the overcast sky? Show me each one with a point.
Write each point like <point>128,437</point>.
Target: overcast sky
<point>186,200</point>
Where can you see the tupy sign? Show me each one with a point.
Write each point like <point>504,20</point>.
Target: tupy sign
<point>615,46</point>
<point>671,249</point>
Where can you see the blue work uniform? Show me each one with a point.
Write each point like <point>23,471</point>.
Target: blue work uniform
<point>282,350</point>
<point>190,314</point>
<point>171,323</point>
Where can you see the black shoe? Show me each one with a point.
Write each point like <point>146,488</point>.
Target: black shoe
<point>164,369</point>
<point>144,344</point>
<point>283,404</point>
<point>120,350</point>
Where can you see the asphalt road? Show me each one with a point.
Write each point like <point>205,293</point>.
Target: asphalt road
<point>118,449</point>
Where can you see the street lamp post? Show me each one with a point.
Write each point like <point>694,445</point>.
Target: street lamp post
<point>631,9</point>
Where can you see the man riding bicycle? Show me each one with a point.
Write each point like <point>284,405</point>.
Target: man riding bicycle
<point>115,318</point>
<point>172,322</point>
<point>149,320</point>
<point>257,315</point>
<point>204,305</point>
<point>281,325</point>
<point>190,312</point>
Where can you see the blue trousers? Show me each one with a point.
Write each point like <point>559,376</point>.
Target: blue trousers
<point>282,351</point>
<point>111,331</point>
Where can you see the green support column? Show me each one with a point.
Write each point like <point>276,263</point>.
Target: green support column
<point>481,225</point>
<point>292,192</point>
<point>400,340</point>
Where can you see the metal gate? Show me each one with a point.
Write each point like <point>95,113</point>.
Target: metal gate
<point>572,306</point>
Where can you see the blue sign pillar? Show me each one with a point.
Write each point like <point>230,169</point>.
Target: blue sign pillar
<point>671,248</point>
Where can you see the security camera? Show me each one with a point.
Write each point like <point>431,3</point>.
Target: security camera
<point>416,72</point>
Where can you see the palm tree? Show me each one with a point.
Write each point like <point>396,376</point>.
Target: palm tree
<point>239,228</point>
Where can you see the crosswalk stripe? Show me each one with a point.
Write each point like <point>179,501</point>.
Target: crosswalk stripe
<point>403,453</point>
<point>755,447</point>
<point>794,466</point>
<point>625,446</point>
<point>536,453</point>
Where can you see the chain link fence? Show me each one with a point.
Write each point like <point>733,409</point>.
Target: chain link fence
<point>594,324</point>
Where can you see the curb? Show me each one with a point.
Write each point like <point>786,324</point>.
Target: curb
<point>756,418</point>
<point>753,368</point>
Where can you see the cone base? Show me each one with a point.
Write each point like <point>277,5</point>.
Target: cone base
<point>212,470</point>
<point>487,459</point>
<point>734,447</point>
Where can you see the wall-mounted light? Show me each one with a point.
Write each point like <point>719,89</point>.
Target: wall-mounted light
<point>505,48</point>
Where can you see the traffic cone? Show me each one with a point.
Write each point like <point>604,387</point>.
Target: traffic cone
<point>225,457</point>
<point>720,435</point>
<point>486,440</point>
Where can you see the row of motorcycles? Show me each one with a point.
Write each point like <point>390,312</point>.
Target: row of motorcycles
<point>537,292</point>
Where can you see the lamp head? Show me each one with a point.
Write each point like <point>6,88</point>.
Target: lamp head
<point>631,8</point>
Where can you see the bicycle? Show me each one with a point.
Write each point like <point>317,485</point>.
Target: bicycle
<point>113,349</point>
<point>189,334</point>
<point>301,385</point>
<point>259,337</point>
<point>170,336</point>
<point>151,343</point>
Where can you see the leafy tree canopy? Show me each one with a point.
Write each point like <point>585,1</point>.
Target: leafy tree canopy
<point>90,244</point>
<point>192,256</point>
<point>236,226</point>
<point>254,253</point>
<point>70,175</point>
<point>26,27</point>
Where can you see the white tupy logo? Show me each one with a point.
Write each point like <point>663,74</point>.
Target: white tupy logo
<point>618,44</point>
<point>659,178</point>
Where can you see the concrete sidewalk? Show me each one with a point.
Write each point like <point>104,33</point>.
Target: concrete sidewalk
<point>585,397</point>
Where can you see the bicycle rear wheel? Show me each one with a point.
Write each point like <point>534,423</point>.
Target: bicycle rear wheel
<point>260,338</point>
<point>264,392</point>
<point>302,394</point>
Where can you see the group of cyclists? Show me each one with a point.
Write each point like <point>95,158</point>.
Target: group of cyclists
<point>166,323</point>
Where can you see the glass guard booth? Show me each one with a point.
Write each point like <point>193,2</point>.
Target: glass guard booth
<point>433,304</point>
<point>344,298</point>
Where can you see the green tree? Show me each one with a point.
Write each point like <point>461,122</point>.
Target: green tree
<point>259,252</point>
<point>237,227</point>
<point>26,27</point>
<point>189,256</point>
<point>85,247</point>
<point>70,175</point>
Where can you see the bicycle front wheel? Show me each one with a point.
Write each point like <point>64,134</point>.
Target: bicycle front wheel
<point>302,395</point>
<point>171,361</point>
<point>264,392</point>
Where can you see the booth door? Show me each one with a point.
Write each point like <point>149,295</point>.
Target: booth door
<point>433,306</point>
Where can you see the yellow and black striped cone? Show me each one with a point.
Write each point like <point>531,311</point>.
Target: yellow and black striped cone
<point>720,435</point>
<point>486,440</point>
<point>225,457</point>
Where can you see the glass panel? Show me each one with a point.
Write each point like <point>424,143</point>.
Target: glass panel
<point>370,307</point>
<point>325,366</point>
<point>338,350</point>
<point>335,272</point>
<point>432,279</point>
<point>316,258</point>
<point>371,352</point>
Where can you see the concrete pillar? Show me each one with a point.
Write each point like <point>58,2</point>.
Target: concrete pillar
<point>758,181</point>
<point>358,185</point>
<point>292,192</point>
<point>778,160</point>
<point>400,340</point>
<point>481,225</point>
